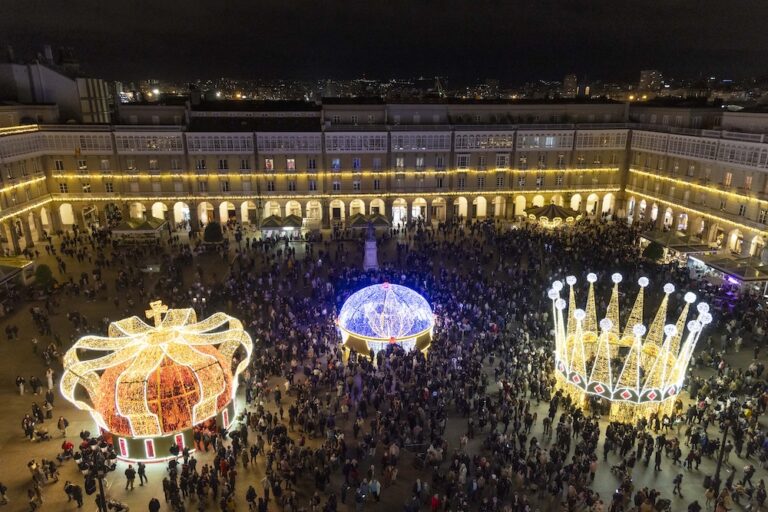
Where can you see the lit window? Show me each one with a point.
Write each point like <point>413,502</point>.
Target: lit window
<point>728,179</point>
<point>269,164</point>
<point>104,164</point>
<point>462,161</point>
<point>86,188</point>
<point>153,164</point>
<point>419,163</point>
<point>502,161</point>
<point>748,182</point>
<point>82,165</point>
<point>290,164</point>
<point>400,162</point>
<point>356,164</point>
<point>336,164</point>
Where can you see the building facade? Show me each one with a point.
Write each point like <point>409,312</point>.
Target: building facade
<point>433,161</point>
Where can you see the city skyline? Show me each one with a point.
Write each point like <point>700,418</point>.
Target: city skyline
<point>512,41</point>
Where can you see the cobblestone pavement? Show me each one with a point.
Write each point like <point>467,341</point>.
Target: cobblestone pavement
<point>17,358</point>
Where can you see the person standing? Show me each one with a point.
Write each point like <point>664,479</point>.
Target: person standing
<point>130,476</point>
<point>657,461</point>
<point>142,474</point>
<point>49,377</point>
<point>62,425</point>
<point>678,481</point>
<point>20,384</point>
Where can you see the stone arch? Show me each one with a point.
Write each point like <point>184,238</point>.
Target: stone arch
<point>592,201</point>
<point>248,212</point>
<point>654,212</point>
<point>609,203</point>
<point>538,200</point>
<point>336,210</point>
<point>378,206</point>
<point>641,208</point>
<point>356,206</point>
<point>479,207</point>
<point>293,208</point>
<point>160,210</point>
<point>137,210</point>
<point>735,240</point>
<point>419,208</point>
<point>90,214</point>
<point>499,207</point>
<point>520,205</point>
<point>438,209</point>
<point>682,222</point>
<point>756,246</point>
<point>314,211</point>
<point>557,199</point>
<point>205,212</point>
<point>576,202</point>
<point>66,214</point>
<point>272,208</point>
<point>399,211</point>
<point>669,218</point>
<point>227,212</point>
<point>460,207</point>
<point>181,213</point>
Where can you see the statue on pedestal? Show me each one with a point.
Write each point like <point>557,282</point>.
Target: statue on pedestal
<point>370,256</point>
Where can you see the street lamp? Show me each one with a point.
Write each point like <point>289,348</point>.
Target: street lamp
<point>95,462</point>
<point>728,420</point>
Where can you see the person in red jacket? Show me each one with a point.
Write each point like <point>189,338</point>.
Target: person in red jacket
<point>435,503</point>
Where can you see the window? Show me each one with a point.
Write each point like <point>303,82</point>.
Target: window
<point>245,164</point>
<point>396,119</point>
<point>440,162</point>
<point>59,165</point>
<point>224,185</point>
<point>377,164</point>
<point>481,161</point>
<point>370,118</point>
<point>223,164</point>
<point>269,164</point>
<point>354,119</point>
<point>290,164</point>
<point>502,161</point>
<point>336,185</point>
<point>200,164</point>
<point>376,184</point>
<point>580,161</point>
<point>523,162</point>
<point>439,182</point>
<point>763,217</point>
<point>742,210</point>
<point>356,164</point>
<point>691,170</point>
<point>336,164</point>
<point>521,181</point>
<point>356,185</point>
<point>722,205</point>
<point>419,163</point>
<point>292,185</point>
<point>153,164</point>
<point>270,186</point>
<point>312,185</point>
<point>400,163</point>
<point>542,163</point>
<point>539,180</point>
<point>23,168</point>
<point>175,164</point>
<point>86,188</point>
<point>63,188</point>
<point>82,165</point>
<point>500,181</point>
<point>311,164</point>
<point>461,182</point>
<point>104,165</point>
<point>109,187</point>
<point>202,186</point>
<point>748,182</point>
<point>559,179</point>
<point>462,161</point>
<point>335,119</point>
<point>481,182</point>
<point>728,179</point>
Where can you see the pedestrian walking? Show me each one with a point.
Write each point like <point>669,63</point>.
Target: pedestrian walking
<point>130,476</point>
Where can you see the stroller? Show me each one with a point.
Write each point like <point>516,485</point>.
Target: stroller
<point>41,434</point>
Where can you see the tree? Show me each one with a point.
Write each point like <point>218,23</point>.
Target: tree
<point>213,233</point>
<point>654,251</point>
<point>44,276</point>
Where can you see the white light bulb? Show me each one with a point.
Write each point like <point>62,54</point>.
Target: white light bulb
<point>571,280</point>
<point>694,326</point>
<point>579,314</point>
<point>592,277</point>
<point>616,278</point>
<point>606,324</point>
<point>669,288</point>
<point>705,318</point>
<point>552,294</point>
<point>670,329</point>
<point>643,282</point>
<point>557,286</point>
<point>638,330</point>
<point>690,297</point>
<point>703,307</point>
<point>560,304</point>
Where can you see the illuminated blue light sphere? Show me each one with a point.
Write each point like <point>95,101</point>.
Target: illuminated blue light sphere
<point>386,313</point>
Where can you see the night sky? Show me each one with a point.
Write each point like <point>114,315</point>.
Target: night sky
<point>466,40</point>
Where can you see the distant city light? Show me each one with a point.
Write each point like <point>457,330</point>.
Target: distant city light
<point>155,91</point>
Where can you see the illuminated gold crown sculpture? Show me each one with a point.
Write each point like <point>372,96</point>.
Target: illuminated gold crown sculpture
<point>640,371</point>
<point>157,380</point>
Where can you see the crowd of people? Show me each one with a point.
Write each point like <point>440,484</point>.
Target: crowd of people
<point>476,424</point>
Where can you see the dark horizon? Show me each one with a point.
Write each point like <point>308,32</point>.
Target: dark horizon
<point>465,40</point>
